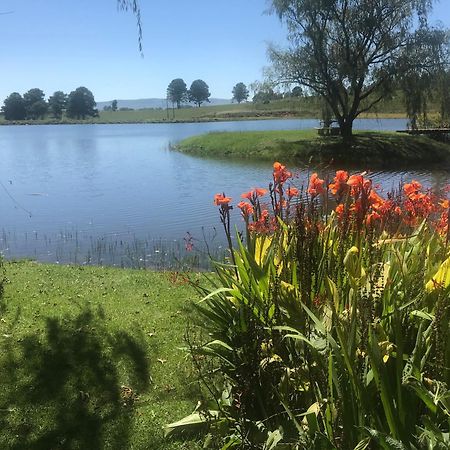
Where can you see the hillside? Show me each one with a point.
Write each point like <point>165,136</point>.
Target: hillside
<point>152,103</point>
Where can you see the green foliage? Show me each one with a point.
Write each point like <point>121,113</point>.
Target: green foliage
<point>177,92</point>
<point>199,92</point>
<point>425,78</point>
<point>81,104</point>
<point>35,104</point>
<point>57,104</point>
<point>14,107</point>
<point>240,92</point>
<point>114,105</point>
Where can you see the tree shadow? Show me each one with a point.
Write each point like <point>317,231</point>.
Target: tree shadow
<point>72,385</point>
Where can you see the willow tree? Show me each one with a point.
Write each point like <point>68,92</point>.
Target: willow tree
<point>423,75</point>
<point>349,52</point>
<point>133,5</point>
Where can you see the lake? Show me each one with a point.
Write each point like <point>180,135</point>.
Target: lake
<point>117,194</point>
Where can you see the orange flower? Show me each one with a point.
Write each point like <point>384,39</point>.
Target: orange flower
<point>341,176</point>
<point>292,192</point>
<point>265,224</point>
<point>280,174</point>
<point>339,183</point>
<point>221,200</point>
<point>412,188</point>
<point>376,201</point>
<point>246,208</point>
<point>256,192</point>
<point>372,217</point>
<point>340,210</point>
<point>355,181</point>
<point>315,185</point>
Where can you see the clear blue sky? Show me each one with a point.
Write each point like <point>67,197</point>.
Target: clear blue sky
<point>63,44</point>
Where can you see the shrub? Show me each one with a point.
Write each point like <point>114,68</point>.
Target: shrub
<point>328,325</point>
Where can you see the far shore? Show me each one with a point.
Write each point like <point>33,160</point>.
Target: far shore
<point>217,113</point>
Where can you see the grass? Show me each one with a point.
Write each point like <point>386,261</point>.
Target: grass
<point>90,358</point>
<point>377,149</point>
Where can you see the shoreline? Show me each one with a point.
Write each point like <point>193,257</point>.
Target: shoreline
<point>237,118</point>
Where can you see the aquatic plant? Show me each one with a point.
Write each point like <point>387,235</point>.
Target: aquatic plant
<point>328,325</point>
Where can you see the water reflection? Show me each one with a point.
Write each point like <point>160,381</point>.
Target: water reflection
<point>97,193</point>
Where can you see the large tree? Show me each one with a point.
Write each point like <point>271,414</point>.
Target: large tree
<point>349,52</point>
<point>57,103</point>
<point>177,92</point>
<point>14,107</point>
<point>240,92</point>
<point>81,104</point>
<point>199,92</point>
<point>35,104</point>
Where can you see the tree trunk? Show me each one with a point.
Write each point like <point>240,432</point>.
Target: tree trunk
<point>346,127</point>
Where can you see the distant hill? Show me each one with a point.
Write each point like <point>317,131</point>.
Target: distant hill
<point>143,103</point>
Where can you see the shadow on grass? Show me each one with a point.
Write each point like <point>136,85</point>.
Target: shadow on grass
<point>62,387</point>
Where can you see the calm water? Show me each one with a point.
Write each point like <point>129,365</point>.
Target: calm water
<point>117,194</point>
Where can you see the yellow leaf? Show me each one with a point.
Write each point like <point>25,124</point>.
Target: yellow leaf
<point>442,277</point>
<point>262,245</point>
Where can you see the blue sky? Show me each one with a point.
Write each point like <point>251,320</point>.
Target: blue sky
<point>63,44</point>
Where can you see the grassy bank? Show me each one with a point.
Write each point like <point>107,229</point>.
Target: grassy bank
<point>90,358</point>
<point>369,148</point>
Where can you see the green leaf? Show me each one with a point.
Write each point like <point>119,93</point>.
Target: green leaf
<point>193,423</point>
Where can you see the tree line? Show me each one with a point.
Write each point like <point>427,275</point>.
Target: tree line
<point>78,104</point>
<point>198,93</point>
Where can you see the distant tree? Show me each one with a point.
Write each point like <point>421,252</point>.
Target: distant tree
<point>57,103</point>
<point>35,105</point>
<point>240,92</point>
<point>14,107</point>
<point>349,52</point>
<point>114,105</point>
<point>107,108</point>
<point>81,104</point>
<point>199,92</point>
<point>177,91</point>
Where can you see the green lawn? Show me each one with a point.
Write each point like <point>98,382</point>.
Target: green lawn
<point>91,358</point>
<point>374,149</point>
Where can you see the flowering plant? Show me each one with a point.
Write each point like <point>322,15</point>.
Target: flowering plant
<point>328,327</point>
